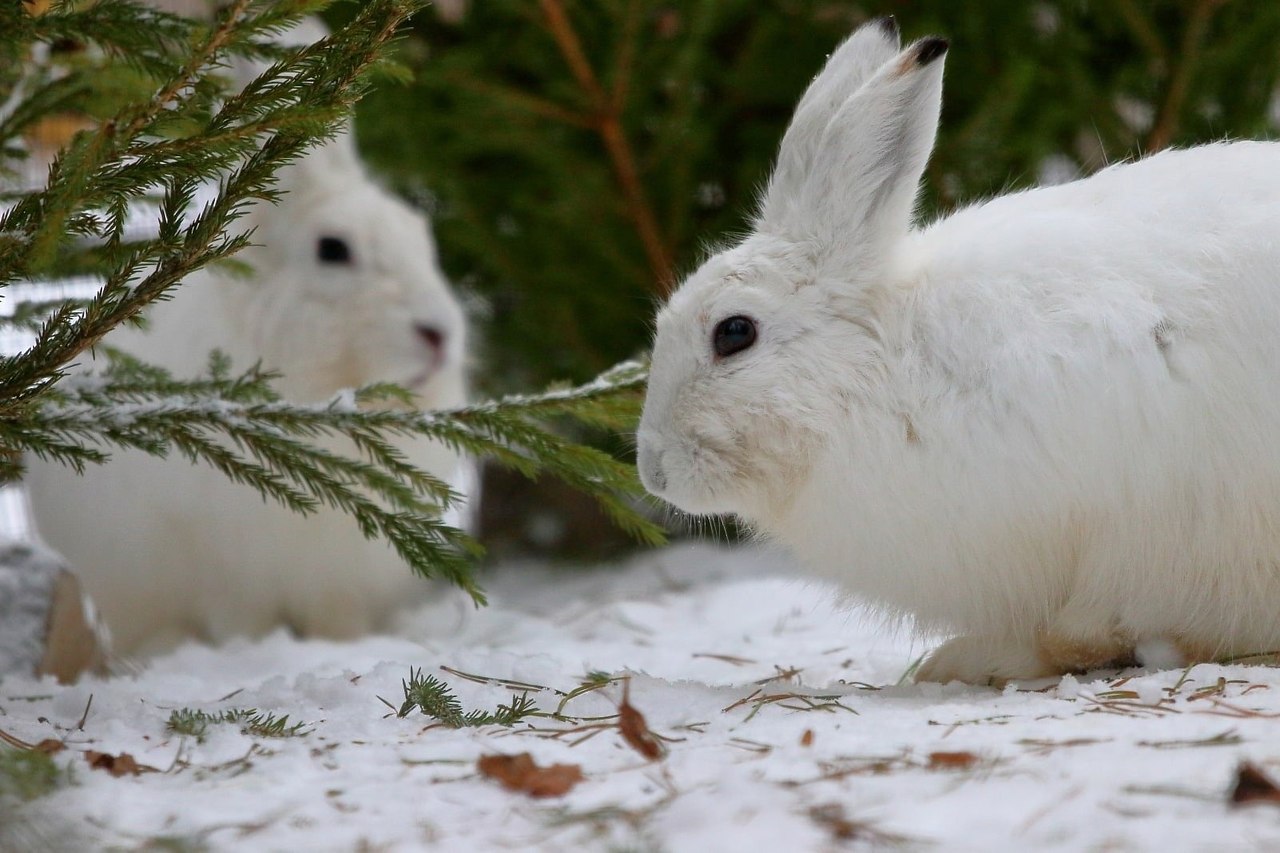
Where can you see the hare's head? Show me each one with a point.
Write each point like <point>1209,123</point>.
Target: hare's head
<point>346,289</point>
<point>770,347</point>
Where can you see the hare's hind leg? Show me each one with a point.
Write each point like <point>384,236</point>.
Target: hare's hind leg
<point>996,661</point>
<point>1086,633</point>
<point>1072,651</point>
<point>982,659</point>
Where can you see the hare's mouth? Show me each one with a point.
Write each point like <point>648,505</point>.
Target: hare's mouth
<point>689,475</point>
<point>420,380</point>
<point>432,348</point>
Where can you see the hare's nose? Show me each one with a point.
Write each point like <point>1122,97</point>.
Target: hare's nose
<point>432,336</point>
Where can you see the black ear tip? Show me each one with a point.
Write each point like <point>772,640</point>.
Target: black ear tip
<point>888,25</point>
<point>930,49</point>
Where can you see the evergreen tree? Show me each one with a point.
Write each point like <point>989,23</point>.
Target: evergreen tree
<point>582,155</point>
<point>162,129</point>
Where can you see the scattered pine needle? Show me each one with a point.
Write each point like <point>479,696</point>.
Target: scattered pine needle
<point>48,746</point>
<point>1271,658</point>
<point>15,742</point>
<point>1040,746</point>
<point>1227,738</point>
<point>84,718</point>
<point>1226,709</point>
<point>733,659</point>
<point>758,699</point>
<point>909,674</point>
<point>781,674</point>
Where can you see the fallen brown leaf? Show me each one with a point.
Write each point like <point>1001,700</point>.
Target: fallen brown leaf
<point>1253,786</point>
<point>844,828</point>
<point>806,739</point>
<point>49,746</point>
<point>951,760</point>
<point>520,773</point>
<point>833,818</point>
<point>634,729</point>
<point>117,765</point>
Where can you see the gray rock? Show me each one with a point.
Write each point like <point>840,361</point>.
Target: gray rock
<point>47,626</point>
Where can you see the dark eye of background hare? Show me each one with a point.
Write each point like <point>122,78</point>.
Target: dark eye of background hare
<point>734,335</point>
<point>333,250</point>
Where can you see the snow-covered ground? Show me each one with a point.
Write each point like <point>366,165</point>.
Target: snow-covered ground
<point>784,722</point>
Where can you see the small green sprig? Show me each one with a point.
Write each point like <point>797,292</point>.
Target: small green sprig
<point>433,697</point>
<point>195,723</point>
<point>27,773</point>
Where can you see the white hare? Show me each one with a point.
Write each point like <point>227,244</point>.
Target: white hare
<point>345,290</point>
<point>1048,424</point>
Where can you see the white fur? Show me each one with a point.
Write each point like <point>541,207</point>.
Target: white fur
<point>1052,417</point>
<point>171,550</point>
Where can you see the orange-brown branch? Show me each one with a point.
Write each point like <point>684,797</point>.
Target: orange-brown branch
<point>524,101</point>
<point>1170,114</point>
<point>608,124</point>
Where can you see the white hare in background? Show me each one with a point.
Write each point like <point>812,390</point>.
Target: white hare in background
<point>345,290</point>
<point>1048,424</point>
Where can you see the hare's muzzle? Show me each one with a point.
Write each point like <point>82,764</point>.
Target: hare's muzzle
<point>649,464</point>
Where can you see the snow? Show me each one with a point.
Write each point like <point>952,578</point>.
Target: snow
<point>1122,761</point>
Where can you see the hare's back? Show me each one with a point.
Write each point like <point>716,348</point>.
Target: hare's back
<point>1186,240</point>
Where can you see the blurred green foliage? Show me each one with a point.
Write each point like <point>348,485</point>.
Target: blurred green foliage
<point>527,120</point>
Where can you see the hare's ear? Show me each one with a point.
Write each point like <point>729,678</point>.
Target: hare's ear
<point>852,64</point>
<point>331,163</point>
<point>305,31</point>
<point>334,158</point>
<point>859,195</point>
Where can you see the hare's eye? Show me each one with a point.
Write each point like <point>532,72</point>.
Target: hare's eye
<point>734,335</point>
<point>333,250</point>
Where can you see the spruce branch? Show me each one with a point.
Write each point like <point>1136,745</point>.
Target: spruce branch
<point>342,454</point>
<point>31,314</point>
<point>105,169</point>
<point>236,424</point>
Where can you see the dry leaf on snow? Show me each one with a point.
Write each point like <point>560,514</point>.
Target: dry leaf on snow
<point>833,818</point>
<point>519,773</point>
<point>634,729</point>
<point>951,760</point>
<point>843,828</point>
<point>117,765</point>
<point>1253,786</point>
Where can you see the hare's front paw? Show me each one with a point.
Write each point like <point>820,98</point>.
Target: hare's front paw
<point>983,660</point>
